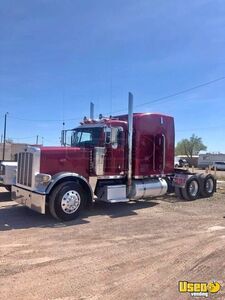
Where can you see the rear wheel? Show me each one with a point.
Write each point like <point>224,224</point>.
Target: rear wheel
<point>66,201</point>
<point>207,185</point>
<point>191,189</point>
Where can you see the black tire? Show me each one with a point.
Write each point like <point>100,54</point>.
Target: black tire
<point>59,205</point>
<point>207,185</point>
<point>178,192</point>
<point>190,193</point>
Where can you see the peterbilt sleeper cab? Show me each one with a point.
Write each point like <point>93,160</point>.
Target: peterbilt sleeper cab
<point>115,159</point>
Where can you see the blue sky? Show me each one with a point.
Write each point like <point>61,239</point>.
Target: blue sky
<point>58,55</point>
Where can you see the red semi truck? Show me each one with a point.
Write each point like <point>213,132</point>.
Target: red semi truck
<point>115,159</point>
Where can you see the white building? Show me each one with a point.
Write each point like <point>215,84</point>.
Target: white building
<point>207,159</point>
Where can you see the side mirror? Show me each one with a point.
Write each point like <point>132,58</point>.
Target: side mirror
<point>107,135</point>
<point>114,135</point>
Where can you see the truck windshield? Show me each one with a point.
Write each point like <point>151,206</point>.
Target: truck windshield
<point>86,137</point>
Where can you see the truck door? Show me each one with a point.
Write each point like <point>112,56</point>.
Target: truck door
<point>115,151</point>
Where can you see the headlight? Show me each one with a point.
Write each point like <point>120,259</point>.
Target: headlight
<point>42,178</point>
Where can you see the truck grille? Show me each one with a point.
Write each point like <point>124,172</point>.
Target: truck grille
<point>24,171</point>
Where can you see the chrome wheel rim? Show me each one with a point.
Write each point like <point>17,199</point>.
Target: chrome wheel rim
<point>70,202</point>
<point>209,184</point>
<point>193,188</point>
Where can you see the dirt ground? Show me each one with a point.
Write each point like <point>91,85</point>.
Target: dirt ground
<point>136,250</point>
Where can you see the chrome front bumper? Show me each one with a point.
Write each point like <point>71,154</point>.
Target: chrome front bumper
<point>30,199</point>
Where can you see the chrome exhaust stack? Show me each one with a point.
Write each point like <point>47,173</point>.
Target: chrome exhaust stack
<point>130,142</point>
<point>140,189</point>
<point>92,111</point>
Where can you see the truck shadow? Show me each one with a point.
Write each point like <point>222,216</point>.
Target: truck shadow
<point>118,210</point>
<point>20,217</point>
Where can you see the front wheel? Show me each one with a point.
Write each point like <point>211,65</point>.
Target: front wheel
<point>66,201</point>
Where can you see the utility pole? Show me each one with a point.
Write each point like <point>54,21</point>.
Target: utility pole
<point>4,137</point>
<point>37,139</point>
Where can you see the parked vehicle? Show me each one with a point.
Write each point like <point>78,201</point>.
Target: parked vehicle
<point>115,159</point>
<point>219,165</point>
<point>208,159</point>
<point>180,162</point>
<point>8,174</point>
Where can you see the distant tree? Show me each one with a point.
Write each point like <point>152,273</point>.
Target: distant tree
<point>190,147</point>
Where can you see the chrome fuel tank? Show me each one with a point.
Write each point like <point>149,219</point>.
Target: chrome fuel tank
<point>146,188</point>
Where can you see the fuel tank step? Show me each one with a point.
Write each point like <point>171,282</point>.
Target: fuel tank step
<point>115,200</point>
<point>112,193</point>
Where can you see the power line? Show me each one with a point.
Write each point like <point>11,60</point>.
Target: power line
<point>182,91</point>
<point>22,138</point>
<point>156,100</point>
<point>203,128</point>
<point>164,98</point>
<point>43,120</point>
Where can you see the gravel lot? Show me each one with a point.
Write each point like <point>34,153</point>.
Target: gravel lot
<point>136,250</point>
